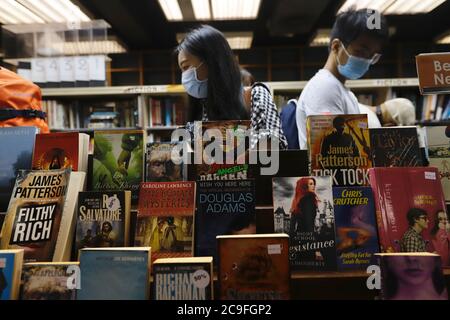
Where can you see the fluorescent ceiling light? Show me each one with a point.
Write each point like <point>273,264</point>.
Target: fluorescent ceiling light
<point>202,10</point>
<point>171,9</point>
<point>40,11</point>
<point>444,39</point>
<point>413,6</point>
<point>322,38</point>
<point>12,12</point>
<point>236,40</point>
<point>394,7</point>
<point>92,47</point>
<point>235,9</point>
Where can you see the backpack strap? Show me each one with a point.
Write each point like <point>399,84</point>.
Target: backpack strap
<point>6,114</point>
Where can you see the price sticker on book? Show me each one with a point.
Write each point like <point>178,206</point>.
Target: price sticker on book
<point>2,263</point>
<point>433,70</point>
<point>430,175</point>
<point>274,249</point>
<point>200,279</point>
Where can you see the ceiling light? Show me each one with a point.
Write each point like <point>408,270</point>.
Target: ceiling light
<point>13,12</point>
<point>379,5</point>
<point>444,39</point>
<point>413,6</point>
<point>92,47</point>
<point>394,7</point>
<point>202,10</point>
<point>236,40</point>
<point>235,9</point>
<point>171,9</point>
<point>322,38</point>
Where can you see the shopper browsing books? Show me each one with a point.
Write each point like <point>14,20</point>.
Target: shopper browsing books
<point>355,45</point>
<point>212,78</point>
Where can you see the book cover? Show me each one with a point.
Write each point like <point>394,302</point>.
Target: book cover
<point>10,271</point>
<point>48,281</point>
<point>16,147</point>
<point>223,208</point>
<point>303,208</point>
<point>356,228</point>
<point>59,150</point>
<point>183,279</point>
<point>395,147</point>
<point>339,147</point>
<point>103,219</point>
<point>438,143</point>
<point>163,165</point>
<point>34,213</point>
<point>411,211</point>
<point>217,140</point>
<point>412,276</point>
<point>118,161</point>
<point>165,219</point>
<point>254,267</point>
<point>114,274</point>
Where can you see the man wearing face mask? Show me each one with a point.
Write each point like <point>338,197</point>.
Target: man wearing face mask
<point>355,46</point>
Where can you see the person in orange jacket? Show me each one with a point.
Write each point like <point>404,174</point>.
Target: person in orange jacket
<point>20,102</point>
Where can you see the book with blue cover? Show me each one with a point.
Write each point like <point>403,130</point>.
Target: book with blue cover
<point>10,272</point>
<point>356,228</point>
<point>16,150</point>
<point>114,273</point>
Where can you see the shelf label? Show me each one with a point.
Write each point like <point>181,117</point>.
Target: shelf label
<point>97,70</point>
<point>147,89</point>
<point>433,70</point>
<point>82,68</point>
<point>52,70</point>
<point>38,70</point>
<point>66,69</point>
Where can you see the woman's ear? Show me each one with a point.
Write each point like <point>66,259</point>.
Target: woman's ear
<point>335,46</point>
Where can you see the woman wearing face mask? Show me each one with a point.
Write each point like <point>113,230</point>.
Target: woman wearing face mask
<point>212,79</point>
<point>356,41</point>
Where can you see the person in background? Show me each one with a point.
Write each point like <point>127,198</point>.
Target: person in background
<point>212,79</point>
<point>20,102</point>
<point>354,47</point>
<point>247,78</point>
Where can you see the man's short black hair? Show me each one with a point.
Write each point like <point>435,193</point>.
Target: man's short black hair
<point>349,25</point>
<point>414,214</point>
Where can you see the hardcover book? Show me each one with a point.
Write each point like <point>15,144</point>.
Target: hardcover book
<point>35,211</point>
<point>438,142</point>
<point>10,271</point>
<point>356,228</point>
<point>103,219</point>
<point>118,161</point>
<point>49,281</point>
<point>114,274</point>
<point>412,276</point>
<point>223,208</point>
<point>183,279</point>
<point>59,150</point>
<point>303,208</point>
<point>339,147</point>
<point>254,267</point>
<point>395,147</point>
<point>165,219</point>
<point>411,211</point>
<point>16,148</point>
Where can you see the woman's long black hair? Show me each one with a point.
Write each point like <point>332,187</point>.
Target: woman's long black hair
<point>225,99</point>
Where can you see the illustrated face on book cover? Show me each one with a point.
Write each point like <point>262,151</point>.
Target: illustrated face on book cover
<point>160,166</point>
<point>413,278</point>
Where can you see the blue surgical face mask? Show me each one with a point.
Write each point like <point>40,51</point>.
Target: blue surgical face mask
<point>355,67</point>
<point>194,87</point>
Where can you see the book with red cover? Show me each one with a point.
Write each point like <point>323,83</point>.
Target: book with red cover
<point>60,150</point>
<point>397,193</point>
<point>165,218</point>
